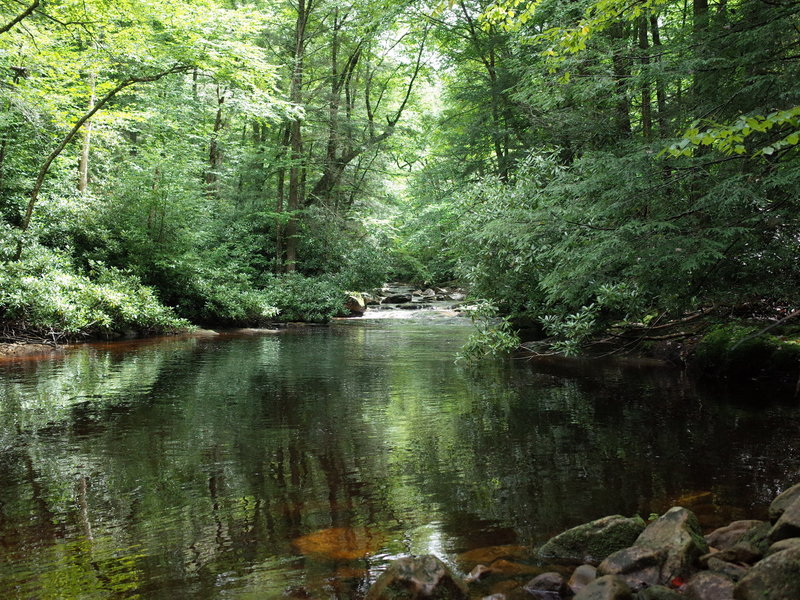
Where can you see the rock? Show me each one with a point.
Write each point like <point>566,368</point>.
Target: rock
<point>547,586</point>
<point>757,538</point>
<point>594,541</point>
<point>637,565</point>
<point>783,501</point>
<point>415,577</point>
<point>355,304</point>
<point>511,569</point>
<point>743,552</point>
<point>678,533</point>
<point>725,537</point>
<point>581,577</point>
<point>777,577</point>
<point>788,525</point>
<point>658,592</point>
<point>495,597</point>
<point>488,554</point>
<point>783,545</point>
<point>709,586</point>
<point>728,569</point>
<point>457,297</point>
<point>370,300</point>
<point>609,587</point>
<point>479,572</point>
<point>397,299</point>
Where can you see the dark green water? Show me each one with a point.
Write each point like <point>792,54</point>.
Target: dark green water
<point>192,468</point>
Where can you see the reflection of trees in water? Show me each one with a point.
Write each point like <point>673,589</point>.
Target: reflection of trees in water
<point>194,469</point>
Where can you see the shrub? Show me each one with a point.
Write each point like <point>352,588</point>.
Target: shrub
<point>309,299</point>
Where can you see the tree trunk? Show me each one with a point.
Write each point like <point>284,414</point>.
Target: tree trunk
<point>661,94</point>
<point>644,46</point>
<point>83,165</point>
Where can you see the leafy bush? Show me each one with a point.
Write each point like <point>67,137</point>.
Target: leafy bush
<point>308,299</point>
<point>493,335</point>
<point>43,294</point>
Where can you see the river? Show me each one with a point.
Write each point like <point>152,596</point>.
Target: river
<point>297,464</point>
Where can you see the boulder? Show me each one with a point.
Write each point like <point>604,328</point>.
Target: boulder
<point>609,587</point>
<point>355,304</point>
<point>659,592</point>
<point>783,501</point>
<point>709,586</point>
<point>594,541</point>
<point>730,570</point>
<point>788,525</point>
<point>638,566</point>
<point>678,533</point>
<point>742,552</point>
<point>783,545</point>
<point>415,577</point>
<point>547,586</point>
<point>581,577</point>
<point>777,577</point>
<point>397,299</point>
<point>757,538</point>
<point>727,536</point>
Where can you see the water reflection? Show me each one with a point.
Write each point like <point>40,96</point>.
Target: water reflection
<point>300,463</point>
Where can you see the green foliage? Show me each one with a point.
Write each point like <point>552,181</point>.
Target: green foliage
<point>493,335</point>
<point>43,294</point>
<point>308,299</point>
<point>741,352</point>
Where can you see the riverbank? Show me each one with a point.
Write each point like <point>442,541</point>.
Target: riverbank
<point>619,558</point>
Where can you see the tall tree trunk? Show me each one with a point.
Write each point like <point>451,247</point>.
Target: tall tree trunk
<point>83,165</point>
<point>644,46</point>
<point>621,76</point>
<point>214,151</point>
<point>279,205</point>
<point>661,94</point>
<point>295,200</point>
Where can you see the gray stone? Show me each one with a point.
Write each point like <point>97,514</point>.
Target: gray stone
<point>742,552</point>
<point>777,577</point>
<point>783,545</point>
<point>609,587</point>
<point>547,586</point>
<point>495,597</point>
<point>757,538</point>
<point>593,541</point>
<point>415,577</point>
<point>730,570</point>
<point>658,592</point>
<point>727,536</point>
<point>788,525</point>
<point>638,566</point>
<point>669,547</point>
<point>581,577</point>
<point>783,501</point>
<point>709,586</point>
<point>397,299</point>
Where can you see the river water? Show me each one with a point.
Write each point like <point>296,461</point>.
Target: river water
<point>297,464</point>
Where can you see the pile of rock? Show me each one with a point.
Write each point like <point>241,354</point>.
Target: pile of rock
<point>617,558</point>
<point>399,293</point>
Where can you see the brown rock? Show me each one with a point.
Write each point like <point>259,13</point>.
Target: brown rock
<point>609,587</point>
<point>547,586</point>
<point>581,577</point>
<point>725,537</point>
<point>783,545</point>
<point>783,501</point>
<point>730,570</point>
<point>709,586</point>
<point>740,553</point>
<point>788,525</point>
<point>479,572</point>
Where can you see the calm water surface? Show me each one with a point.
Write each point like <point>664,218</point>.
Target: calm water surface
<point>298,464</point>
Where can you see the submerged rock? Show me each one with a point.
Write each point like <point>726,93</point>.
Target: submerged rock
<point>341,543</point>
<point>593,541</point>
<point>415,577</point>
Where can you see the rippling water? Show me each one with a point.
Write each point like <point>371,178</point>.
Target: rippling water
<point>263,465</point>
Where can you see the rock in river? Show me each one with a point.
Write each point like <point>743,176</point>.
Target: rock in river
<point>593,541</point>
<point>417,577</point>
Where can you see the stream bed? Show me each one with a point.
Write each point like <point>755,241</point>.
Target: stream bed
<point>299,463</point>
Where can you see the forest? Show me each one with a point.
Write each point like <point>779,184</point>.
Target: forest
<point>572,164</point>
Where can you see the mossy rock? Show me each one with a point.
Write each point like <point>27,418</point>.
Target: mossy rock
<point>594,541</point>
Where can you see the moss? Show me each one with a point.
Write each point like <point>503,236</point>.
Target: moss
<point>739,352</point>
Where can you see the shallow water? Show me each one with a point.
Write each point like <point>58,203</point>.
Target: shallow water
<point>263,465</point>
